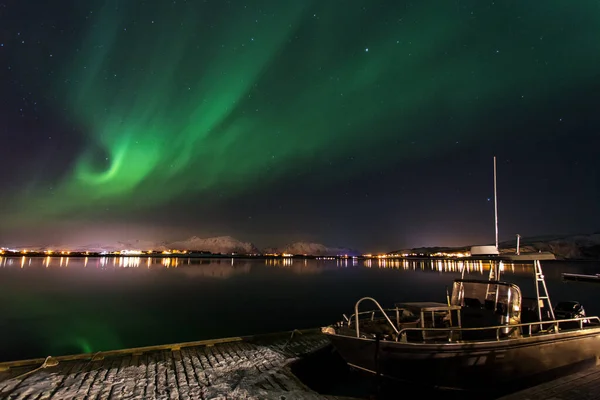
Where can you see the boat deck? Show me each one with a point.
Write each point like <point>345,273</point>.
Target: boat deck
<point>241,368</point>
<point>581,385</point>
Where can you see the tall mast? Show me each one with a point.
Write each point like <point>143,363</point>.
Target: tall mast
<point>495,203</point>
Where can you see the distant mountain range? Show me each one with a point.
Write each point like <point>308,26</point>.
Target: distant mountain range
<point>220,244</point>
<point>567,247</point>
<point>215,245</point>
<point>570,247</point>
<point>313,249</point>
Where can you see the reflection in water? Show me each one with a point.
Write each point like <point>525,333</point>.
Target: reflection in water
<point>62,304</point>
<point>227,267</point>
<point>450,265</point>
<point>303,266</point>
<point>219,267</point>
<point>192,266</point>
<point>224,269</point>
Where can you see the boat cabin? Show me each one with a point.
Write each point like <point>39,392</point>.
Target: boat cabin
<point>487,303</point>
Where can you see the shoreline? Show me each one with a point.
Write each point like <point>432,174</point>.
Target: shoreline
<point>524,258</point>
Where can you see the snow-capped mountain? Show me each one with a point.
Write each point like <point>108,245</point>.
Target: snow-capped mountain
<point>568,247</point>
<point>143,245</point>
<point>215,245</point>
<point>220,244</point>
<point>316,249</point>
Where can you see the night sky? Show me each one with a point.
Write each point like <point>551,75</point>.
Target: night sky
<point>368,124</point>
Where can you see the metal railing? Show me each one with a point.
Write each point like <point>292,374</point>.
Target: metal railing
<point>356,314</point>
<point>390,312</point>
<point>395,313</point>
<point>401,335</point>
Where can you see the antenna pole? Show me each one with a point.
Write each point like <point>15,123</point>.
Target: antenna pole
<point>496,203</point>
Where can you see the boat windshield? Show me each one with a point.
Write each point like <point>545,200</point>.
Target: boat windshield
<point>500,297</point>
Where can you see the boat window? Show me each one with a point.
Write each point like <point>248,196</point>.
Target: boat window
<point>499,298</point>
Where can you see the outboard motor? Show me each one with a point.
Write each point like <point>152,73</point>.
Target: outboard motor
<point>569,310</point>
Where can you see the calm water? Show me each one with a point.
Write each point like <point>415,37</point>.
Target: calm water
<point>54,306</point>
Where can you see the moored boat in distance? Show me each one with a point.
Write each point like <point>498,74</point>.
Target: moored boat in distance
<point>581,278</point>
<point>486,336</point>
<point>543,255</point>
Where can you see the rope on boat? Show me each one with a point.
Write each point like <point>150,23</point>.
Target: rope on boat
<point>48,362</point>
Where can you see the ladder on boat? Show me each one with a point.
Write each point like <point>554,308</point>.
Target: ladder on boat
<point>493,276</point>
<point>541,291</point>
<point>494,271</point>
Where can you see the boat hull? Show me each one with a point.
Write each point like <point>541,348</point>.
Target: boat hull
<point>473,365</point>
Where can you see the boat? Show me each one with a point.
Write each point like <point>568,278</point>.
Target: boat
<point>487,335</point>
<point>567,277</point>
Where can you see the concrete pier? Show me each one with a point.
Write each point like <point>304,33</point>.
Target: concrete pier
<point>234,368</point>
<point>581,385</point>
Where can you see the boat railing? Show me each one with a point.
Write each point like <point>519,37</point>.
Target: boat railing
<point>552,325</point>
<point>394,313</point>
<point>372,313</point>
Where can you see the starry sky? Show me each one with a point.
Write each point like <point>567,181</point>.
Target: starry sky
<point>367,124</point>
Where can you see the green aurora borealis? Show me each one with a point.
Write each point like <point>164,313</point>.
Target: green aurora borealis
<point>182,98</point>
<point>349,123</point>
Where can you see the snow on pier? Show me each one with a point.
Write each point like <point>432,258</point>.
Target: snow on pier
<point>581,385</point>
<point>236,368</point>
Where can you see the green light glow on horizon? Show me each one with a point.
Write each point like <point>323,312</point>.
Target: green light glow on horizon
<point>176,99</point>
